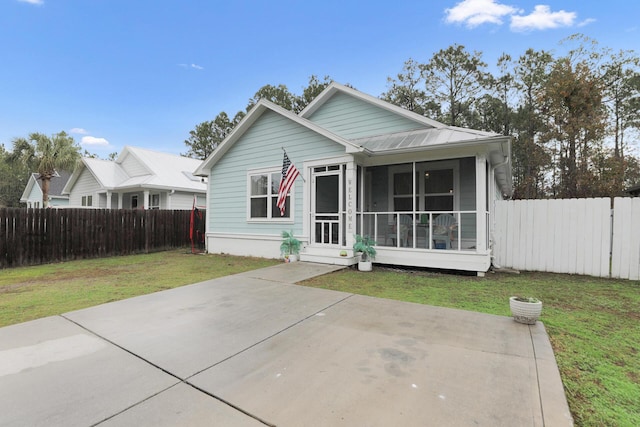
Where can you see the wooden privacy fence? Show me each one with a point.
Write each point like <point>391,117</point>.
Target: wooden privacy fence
<point>575,236</point>
<point>38,236</point>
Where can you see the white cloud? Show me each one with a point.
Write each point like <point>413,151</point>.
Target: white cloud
<point>93,141</point>
<point>586,22</point>
<point>473,13</point>
<point>477,12</point>
<point>194,66</point>
<point>78,131</point>
<point>38,2</point>
<point>542,18</point>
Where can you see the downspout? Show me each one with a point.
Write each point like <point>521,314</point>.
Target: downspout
<point>491,213</point>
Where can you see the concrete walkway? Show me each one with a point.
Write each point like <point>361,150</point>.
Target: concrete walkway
<point>253,349</point>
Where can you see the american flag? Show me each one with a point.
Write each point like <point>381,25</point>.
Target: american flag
<point>289,175</point>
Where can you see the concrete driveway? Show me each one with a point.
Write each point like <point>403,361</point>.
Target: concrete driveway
<point>253,349</point>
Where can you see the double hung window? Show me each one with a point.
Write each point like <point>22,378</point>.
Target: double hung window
<point>263,196</point>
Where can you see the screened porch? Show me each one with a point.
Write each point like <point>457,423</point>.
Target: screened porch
<point>428,205</point>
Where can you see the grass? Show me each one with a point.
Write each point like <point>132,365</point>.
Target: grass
<point>28,293</point>
<point>593,324</point>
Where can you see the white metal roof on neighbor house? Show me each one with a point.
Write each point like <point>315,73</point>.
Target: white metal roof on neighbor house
<point>166,171</point>
<point>107,172</point>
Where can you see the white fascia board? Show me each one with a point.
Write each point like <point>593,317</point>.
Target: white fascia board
<point>156,187</point>
<point>27,189</point>
<point>485,143</point>
<point>337,87</point>
<point>251,117</point>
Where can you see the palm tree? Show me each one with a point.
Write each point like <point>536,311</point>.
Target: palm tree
<point>46,155</point>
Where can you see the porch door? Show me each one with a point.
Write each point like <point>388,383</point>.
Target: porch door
<point>327,205</point>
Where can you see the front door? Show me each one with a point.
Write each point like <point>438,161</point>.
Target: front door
<point>327,205</point>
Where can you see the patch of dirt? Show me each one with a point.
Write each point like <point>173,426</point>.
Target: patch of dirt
<point>16,288</point>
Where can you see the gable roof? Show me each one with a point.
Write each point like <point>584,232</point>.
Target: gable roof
<point>430,135</point>
<point>162,171</point>
<point>335,88</point>
<point>256,112</point>
<point>166,170</point>
<point>56,184</point>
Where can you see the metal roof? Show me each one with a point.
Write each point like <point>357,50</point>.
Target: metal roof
<point>422,138</point>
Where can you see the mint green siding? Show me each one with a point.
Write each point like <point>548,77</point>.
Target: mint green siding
<point>353,118</point>
<point>258,148</point>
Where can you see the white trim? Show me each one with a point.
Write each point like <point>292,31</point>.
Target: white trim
<point>481,202</point>
<point>271,218</point>
<point>314,175</point>
<point>327,161</point>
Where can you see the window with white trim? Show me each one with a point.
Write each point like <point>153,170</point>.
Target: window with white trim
<point>263,195</point>
<point>155,201</point>
<point>87,200</point>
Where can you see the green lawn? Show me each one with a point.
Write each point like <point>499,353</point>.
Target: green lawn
<point>28,293</point>
<point>594,324</point>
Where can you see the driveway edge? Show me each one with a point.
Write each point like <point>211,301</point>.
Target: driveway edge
<point>555,409</point>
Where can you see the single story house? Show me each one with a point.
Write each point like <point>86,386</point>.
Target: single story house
<point>32,195</point>
<point>138,179</point>
<point>422,190</point>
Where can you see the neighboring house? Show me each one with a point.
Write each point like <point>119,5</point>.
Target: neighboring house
<point>32,195</point>
<point>423,190</point>
<point>633,191</point>
<point>137,179</point>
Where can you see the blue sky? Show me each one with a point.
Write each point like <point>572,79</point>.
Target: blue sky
<point>144,73</point>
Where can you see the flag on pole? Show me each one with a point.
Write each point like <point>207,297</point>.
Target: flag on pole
<point>289,175</point>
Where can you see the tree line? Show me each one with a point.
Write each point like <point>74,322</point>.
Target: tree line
<point>574,118</point>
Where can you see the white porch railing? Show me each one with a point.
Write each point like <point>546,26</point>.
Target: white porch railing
<point>451,230</point>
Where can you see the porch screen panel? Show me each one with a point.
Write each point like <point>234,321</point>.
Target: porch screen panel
<point>438,188</point>
<point>403,191</point>
<point>327,194</point>
<point>327,205</point>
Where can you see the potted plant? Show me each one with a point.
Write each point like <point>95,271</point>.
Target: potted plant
<point>364,245</point>
<point>525,310</point>
<point>290,246</point>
